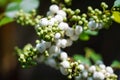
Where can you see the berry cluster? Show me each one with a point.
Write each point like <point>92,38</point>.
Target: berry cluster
<point>59,29</point>
<point>27,56</point>
<point>27,18</point>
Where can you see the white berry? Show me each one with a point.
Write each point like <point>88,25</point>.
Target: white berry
<point>100,25</point>
<point>54,49</point>
<point>85,74</point>
<point>63,56</point>
<point>51,22</point>
<point>109,69</point>
<point>54,8</point>
<point>59,18</point>
<point>92,69</point>
<point>98,75</point>
<point>57,35</point>
<point>62,13</point>
<point>81,67</point>
<point>92,25</point>
<point>63,71</point>
<point>74,37</point>
<point>47,44</point>
<point>69,42</point>
<point>70,32</point>
<point>51,62</point>
<point>43,22</point>
<point>63,43</point>
<point>102,66</point>
<point>63,26</point>
<point>65,64</point>
<point>78,30</point>
<point>41,47</point>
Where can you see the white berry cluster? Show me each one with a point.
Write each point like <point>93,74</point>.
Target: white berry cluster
<point>71,69</point>
<point>99,19</point>
<point>97,72</point>
<point>58,30</point>
<point>55,34</point>
<point>53,30</point>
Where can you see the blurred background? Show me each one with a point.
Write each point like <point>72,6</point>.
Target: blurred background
<point>107,42</point>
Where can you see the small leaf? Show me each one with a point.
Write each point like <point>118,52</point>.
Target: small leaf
<point>5,20</point>
<point>91,32</point>
<point>115,64</point>
<point>83,36</point>
<point>82,59</point>
<point>92,55</point>
<point>3,3</point>
<point>116,3</point>
<point>11,9</point>
<point>18,1</point>
<point>25,5</point>
<point>116,16</point>
<point>29,5</point>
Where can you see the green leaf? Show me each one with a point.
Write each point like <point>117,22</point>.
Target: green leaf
<point>25,5</point>
<point>116,3</point>
<point>11,9</point>
<point>93,55</point>
<point>3,3</point>
<point>18,1</point>
<point>91,32</point>
<point>115,64</point>
<point>29,5</point>
<point>83,36</point>
<point>5,20</point>
<point>82,59</point>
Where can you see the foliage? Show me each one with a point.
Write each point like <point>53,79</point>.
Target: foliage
<point>5,20</point>
<point>82,58</point>
<point>90,56</point>
<point>11,9</point>
<point>116,11</point>
<point>27,56</point>
<point>59,29</point>
<point>15,6</point>
<point>85,36</point>
<point>116,64</point>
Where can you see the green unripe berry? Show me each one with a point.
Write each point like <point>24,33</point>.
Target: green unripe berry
<point>95,17</point>
<point>99,12</point>
<point>85,27</point>
<point>84,15</point>
<point>90,8</point>
<point>83,19</point>
<point>72,12</point>
<point>86,21</point>
<point>77,11</point>
<point>103,4</point>
<point>47,37</point>
<point>80,22</point>
<point>67,1</point>
<point>92,11</point>
<point>78,18</point>
<point>104,16</point>
<point>64,9</point>
<point>46,53</point>
<point>69,76</point>
<point>97,20</point>
<point>74,17</point>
